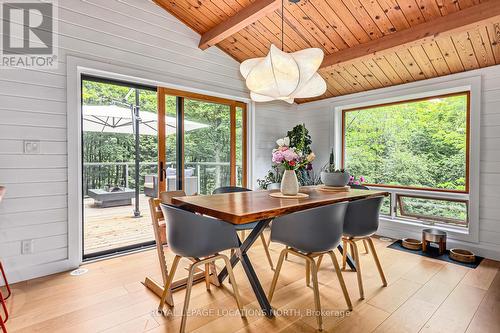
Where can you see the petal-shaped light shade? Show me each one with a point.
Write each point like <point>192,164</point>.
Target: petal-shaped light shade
<point>314,87</point>
<point>284,76</point>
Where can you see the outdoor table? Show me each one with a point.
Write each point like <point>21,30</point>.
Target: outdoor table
<point>246,207</point>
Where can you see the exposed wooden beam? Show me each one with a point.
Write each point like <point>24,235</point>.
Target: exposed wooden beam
<point>461,20</point>
<point>235,23</point>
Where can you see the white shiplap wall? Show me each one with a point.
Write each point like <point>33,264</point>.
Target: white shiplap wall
<point>318,117</point>
<point>134,34</point>
<point>272,121</point>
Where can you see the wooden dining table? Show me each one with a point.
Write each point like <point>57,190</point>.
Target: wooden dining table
<point>259,206</point>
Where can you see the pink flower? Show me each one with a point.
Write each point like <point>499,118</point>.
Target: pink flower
<point>362,179</point>
<point>290,155</point>
<point>356,183</point>
<point>292,163</point>
<point>351,178</point>
<point>278,156</point>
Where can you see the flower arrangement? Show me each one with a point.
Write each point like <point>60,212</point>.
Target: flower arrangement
<point>289,157</point>
<point>354,181</point>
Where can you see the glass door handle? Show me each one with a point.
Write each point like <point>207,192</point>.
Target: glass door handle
<point>163,172</point>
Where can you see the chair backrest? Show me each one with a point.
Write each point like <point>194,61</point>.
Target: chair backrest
<point>312,230</point>
<point>166,197</point>
<point>361,218</point>
<point>157,217</point>
<point>192,235</point>
<point>230,189</point>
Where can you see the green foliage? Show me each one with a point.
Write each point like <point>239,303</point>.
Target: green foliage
<point>418,144</point>
<point>434,209</point>
<point>207,147</point>
<point>330,166</point>
<point>273,176</point>
<point>300,139</point>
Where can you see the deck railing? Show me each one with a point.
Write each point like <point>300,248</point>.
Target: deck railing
<point>102,174</point>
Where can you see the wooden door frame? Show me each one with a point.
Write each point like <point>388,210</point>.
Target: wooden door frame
<point>233,105</point>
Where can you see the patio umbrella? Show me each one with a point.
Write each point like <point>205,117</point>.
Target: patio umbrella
<point>118,119</point>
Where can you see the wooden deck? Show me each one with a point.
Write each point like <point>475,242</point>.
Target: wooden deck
<point>109,228</point>
<point>423,295</point>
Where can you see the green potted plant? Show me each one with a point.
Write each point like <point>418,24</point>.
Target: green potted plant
<point>331,176</point>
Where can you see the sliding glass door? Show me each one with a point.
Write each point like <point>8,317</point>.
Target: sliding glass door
<point>119,155</point>
<point>138,141</point>
<point>203,143</point>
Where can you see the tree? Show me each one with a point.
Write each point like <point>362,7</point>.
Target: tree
<point>209,146</point>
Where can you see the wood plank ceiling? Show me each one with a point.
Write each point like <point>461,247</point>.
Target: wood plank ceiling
<point>335,25</point>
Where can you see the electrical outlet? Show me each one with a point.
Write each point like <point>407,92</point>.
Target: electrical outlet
<point>31,147</point>
<point>27,246</point>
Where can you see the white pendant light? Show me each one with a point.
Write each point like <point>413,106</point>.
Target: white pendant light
<point>284,76</point>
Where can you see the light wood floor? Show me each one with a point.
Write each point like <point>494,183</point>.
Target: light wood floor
<point>114,227</point>
<point>423,295</point>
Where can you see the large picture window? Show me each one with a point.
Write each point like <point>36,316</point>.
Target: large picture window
<point>418,149</point>
<point>413,144</point>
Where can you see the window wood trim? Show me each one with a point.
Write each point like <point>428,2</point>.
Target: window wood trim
<point>162,91</point>
<point>413,100</point>
<point>400,209</point>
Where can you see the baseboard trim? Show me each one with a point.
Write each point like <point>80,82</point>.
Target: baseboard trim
<point>36,271</point>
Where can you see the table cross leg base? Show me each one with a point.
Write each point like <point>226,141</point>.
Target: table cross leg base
<point>241,255</point>
<point>348,258</point>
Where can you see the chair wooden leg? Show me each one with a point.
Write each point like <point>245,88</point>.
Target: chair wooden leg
<point>189,286</point>
<point>286,254</point>
<point>317,302</point>
<point>276,274</point>
<point>308,273</point>
<point>357,263</point>
<point>365,246</point>
<point>341,280</point>
<point>207,276</point>
<point>319,261</point>
<point>166,288</point>
<point>233,284</point>
<point>377,262</point>
<point>266,249</point>
<point>344,253</point>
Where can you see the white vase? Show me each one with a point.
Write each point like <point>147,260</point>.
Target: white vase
<point>289,183</point>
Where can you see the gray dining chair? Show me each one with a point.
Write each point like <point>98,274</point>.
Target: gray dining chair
<point>199,238</point>
<point>309,234</point>
<point>360,223</point>
<point>361,187</point>
<point>247,226</point>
